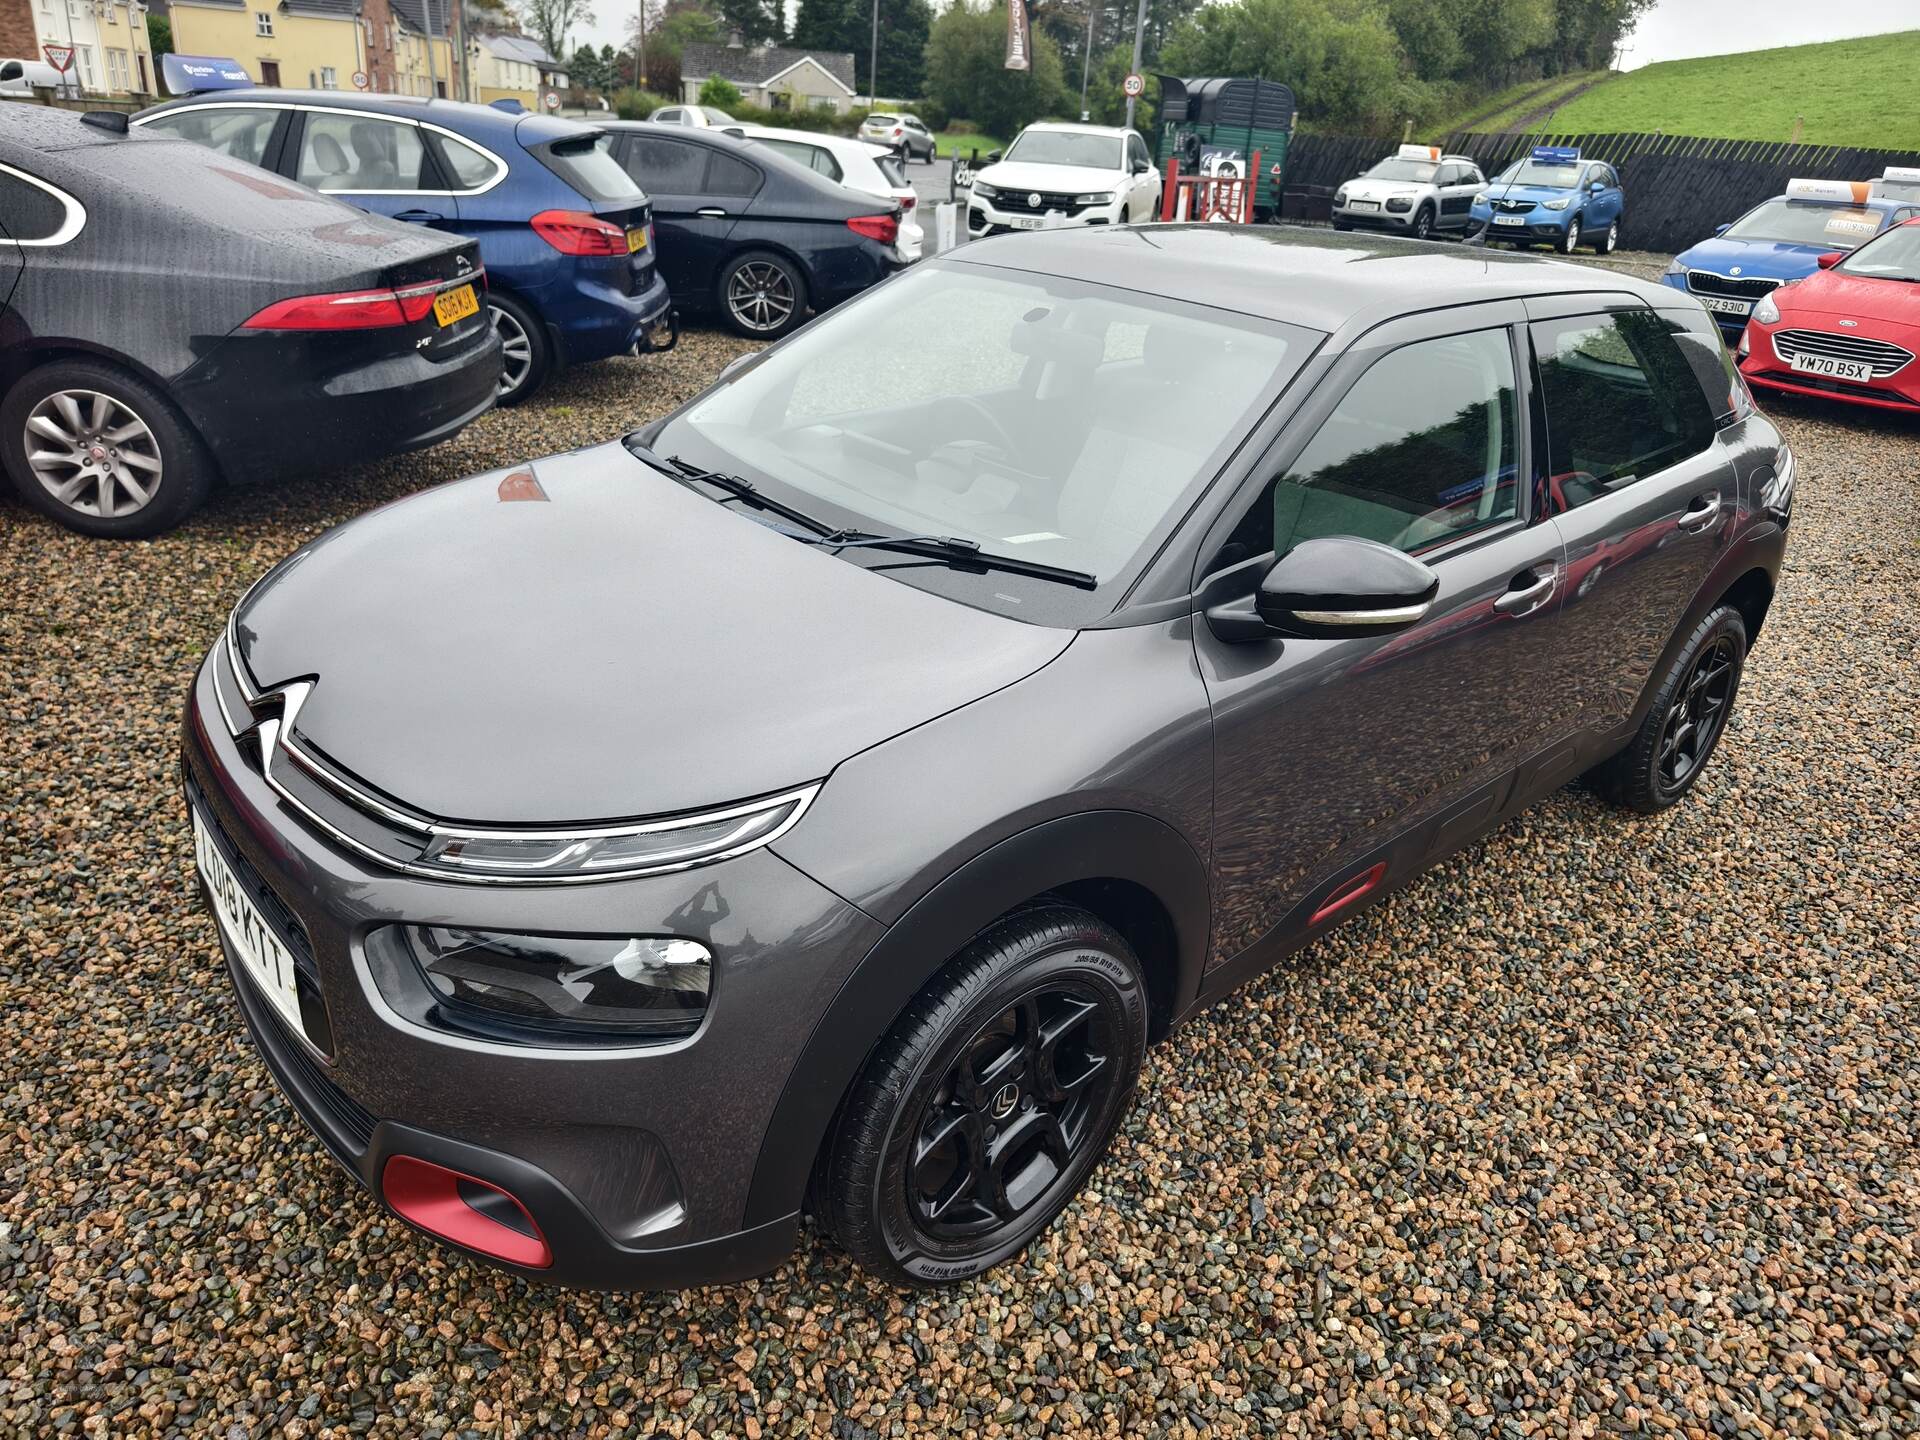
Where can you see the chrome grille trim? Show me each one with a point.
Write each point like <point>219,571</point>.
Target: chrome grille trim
<point>1706,282</point>
<point>1885,358</point>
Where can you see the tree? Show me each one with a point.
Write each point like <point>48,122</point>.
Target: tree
<point>1341,57</point>
<point>720,92</point>
<point>758,21</point>
<point>550,20</point>
<point>588,72</point>
<point>159,35</point>
<point>967,74</point>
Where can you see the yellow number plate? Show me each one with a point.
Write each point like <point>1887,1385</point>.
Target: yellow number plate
<point>636,240</point>
<point>452,305</point>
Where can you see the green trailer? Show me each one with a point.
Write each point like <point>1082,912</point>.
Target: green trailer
<point>1218,115</point>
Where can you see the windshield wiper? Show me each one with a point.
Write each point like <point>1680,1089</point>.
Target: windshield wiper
<point>735,485</point>
<point>955,551</point>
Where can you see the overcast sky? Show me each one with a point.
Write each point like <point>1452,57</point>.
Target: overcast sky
<point>1672,30</point>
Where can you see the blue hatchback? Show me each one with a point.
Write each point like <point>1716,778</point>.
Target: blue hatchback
<point>1781,240</point>
<point>565,235</point>
<point>1555,196</point>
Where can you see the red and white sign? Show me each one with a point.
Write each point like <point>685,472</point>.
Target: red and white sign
<point>552,102</point>
<point>60,57</point>
<point>359,79</point>
<point>1133,87</point>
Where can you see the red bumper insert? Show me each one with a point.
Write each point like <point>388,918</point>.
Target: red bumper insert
<point>466,1210</point>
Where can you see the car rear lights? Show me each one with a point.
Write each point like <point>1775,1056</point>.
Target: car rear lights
<point>574,232</point>
<point>884,228</point>
<point>350,309</point>
<point>907,202</point>
<point>465,1210</point>
<point>594,989</point>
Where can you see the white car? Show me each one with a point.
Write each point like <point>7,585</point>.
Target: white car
<point>705,116</point>
<point>1417,191</point>
<point>1064,176</point>
<point>870,169</point>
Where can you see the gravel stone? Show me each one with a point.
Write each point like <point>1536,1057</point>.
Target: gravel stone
<point>1606,1127</point>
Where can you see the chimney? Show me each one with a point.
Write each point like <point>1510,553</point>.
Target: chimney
<point>733,40</point>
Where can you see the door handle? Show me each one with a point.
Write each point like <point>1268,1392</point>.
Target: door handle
<point>713,212</point>
<point>419,217</point>
<point>1524,599</point>
<point>1702,513</point>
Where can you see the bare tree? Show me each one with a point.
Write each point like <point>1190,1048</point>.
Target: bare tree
<point>550,20</point>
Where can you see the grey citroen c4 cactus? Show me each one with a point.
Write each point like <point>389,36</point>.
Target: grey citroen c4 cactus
<point>818,800</point>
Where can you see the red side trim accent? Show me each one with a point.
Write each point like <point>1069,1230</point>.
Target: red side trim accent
<point>429,1196</point>
<point>1349,892</point>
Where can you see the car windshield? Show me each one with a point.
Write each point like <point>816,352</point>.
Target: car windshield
<point>883,119</point>
<point>1044,418</point>
<point>1893,256</point>
<point>1800,222</point>
<point>1553,177</point>
<point>1066,147</point>
<point>1394,168</point>
<point>716,117</point>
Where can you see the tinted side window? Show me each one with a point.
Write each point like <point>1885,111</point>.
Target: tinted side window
<point>1622,402</point>
<point>470,168</point>
<point>1420,451</point>
<point>667,166</point>
<point>1137,151</point>
<point>32,214</point>
<point>360,152</point>
<point>730,175</point>
<point>241,133</point>
<point>1706,354</point>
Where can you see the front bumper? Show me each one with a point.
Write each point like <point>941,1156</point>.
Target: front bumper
<point>1381,219</point>
<point>635,1163</point>
<point>989,217</point>
<point>1535,229</point>
<point>1762,366</point>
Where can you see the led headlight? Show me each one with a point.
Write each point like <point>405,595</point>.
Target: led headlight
<point>1399,204</point>
<point>1674,267</point>
<point>590,987</point>
<point>603,852</point>
<point>984,191</point>
<point>1561,203</point>
<point>1103,197</point>
<point>1766,312</point>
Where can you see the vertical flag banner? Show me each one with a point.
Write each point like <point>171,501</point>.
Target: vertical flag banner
<point>1019,36</point>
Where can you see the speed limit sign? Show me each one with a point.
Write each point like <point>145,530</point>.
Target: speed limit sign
<point>1133,87</point>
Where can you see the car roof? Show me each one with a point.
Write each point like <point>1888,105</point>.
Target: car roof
<point>1316,280</point>
<point>846,143</point>
<point>45,127</point>
<point>478,121</point>
<point>1065,127</point>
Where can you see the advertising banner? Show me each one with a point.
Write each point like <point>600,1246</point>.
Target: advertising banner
<point>193,74</point>
<point>1019,36</point>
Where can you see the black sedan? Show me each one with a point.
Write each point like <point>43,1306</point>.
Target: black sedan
<point>171,317</point>
<point>752,234</point>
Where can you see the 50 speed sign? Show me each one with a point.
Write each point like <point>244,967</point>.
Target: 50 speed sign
<point>1133,87</point>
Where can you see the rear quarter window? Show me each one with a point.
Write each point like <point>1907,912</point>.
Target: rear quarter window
<point>587,164</point>
<point>34,215</point>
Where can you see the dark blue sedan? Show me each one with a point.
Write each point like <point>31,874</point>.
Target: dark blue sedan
<point>565,234</point>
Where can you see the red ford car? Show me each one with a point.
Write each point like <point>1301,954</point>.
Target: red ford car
<point>1849,332</point>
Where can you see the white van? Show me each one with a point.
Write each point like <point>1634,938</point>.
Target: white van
<point>19,77</point>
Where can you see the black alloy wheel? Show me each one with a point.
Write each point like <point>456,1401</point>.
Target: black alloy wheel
<point>984,1109</point>
<point>1685,721</point>
<point>1423,224</point>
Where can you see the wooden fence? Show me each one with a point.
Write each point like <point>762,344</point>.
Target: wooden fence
<point>1678,186</point>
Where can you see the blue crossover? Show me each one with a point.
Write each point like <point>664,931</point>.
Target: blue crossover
<point>565,234</point>
<point>1554,196</point>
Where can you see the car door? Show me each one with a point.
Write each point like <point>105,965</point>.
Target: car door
<point>1355,762</point>
<point>693,211</point>
<point>1144,181</point>
<point>1601,197</point>
<point>1458,185</point>
<point>1642,484</point>
<point>377,162</point>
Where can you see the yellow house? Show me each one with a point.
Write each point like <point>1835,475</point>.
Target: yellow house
<point>302,44</point>
<point>510,67</point>
<point>417,73</point>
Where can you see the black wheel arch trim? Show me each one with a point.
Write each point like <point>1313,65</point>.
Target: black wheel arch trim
<point>1097,845</point>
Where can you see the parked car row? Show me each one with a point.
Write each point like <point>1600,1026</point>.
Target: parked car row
<point>568,259</point>
<point>1551,196</point>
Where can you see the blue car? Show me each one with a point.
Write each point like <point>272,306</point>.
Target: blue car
<point>565,234</point>
<point>1556,197</point>
<point>1781,240</point>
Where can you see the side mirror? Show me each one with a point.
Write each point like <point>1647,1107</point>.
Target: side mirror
<point>993,157</point>
<point>1830,259</point>
<point>1331,588</point>
<point>1723,229</point>
<point>1597,186</point>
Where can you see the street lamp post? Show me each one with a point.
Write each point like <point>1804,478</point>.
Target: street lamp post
<point>1139,44</point>
<point>1086,61</point>
<point>873,60</point>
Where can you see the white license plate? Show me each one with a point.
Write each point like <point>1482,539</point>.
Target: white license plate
<point>1509,219</point>
<point>262,956</point>
<point>1726,307</point>
<point>1838,369</point>
<point>1363,205</point>
<point>1038,222</point>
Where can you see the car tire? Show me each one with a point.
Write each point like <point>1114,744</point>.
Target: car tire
<point>1684,724</point>
<point>1570,241</point>
<point>1608,241</point>
<point>526,354</point>
<point>762,295</point>
<point>122,482</point>
<point>1422,228</point>
<point>1009,1074</point>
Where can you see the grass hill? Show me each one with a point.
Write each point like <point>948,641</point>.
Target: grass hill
<point>1846,92</point>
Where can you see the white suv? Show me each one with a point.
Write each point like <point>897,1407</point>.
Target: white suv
<point>1060,176</point>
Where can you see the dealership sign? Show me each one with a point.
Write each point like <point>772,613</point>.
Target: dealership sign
<point>195,74</point>
<point>1019,36</point>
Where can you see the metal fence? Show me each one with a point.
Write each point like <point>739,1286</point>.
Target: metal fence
<point>1678,186</point>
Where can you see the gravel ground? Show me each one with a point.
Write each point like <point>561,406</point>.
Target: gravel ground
<point>1604,1128</point>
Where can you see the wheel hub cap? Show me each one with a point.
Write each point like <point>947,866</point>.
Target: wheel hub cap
<point>92,454</point>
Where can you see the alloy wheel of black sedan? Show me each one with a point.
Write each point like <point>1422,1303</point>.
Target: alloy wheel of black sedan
<point>1698,711</point>
<point>763,295</point>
